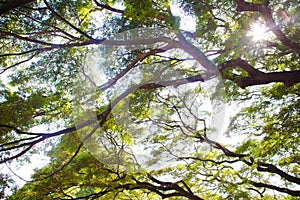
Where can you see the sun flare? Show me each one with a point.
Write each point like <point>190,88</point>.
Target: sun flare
<point>258,31</point>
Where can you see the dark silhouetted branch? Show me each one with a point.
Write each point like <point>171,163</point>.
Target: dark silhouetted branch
<point>256,77</point>
<point>13,4</point>
<point>270,22</point>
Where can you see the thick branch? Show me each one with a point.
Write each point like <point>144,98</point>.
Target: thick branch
<point>12,4</point>
<point>265,167</point>
<point>270,22</point>
<point>167,186</point>
<point>199,56</point>
<point>256,77</point>
<point>279,189</point>
<point>165,191</point>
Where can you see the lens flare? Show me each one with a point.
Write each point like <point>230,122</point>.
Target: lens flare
<point>258,31</point>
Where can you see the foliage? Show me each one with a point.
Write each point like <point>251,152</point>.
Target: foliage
<point>74,66</point>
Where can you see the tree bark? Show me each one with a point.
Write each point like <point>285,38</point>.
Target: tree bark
<point>257,77</point>
<point>12,4</point>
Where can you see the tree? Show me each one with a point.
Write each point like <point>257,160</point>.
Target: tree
<point>45,45</point>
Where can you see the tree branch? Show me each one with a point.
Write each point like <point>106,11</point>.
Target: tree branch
<point>26,52</point>
<point>256,77</point>
<point>102,117</point>
<point>198,55</point>
<point>270,22</point>
<point>167,186</point>
<point>107,7</point>
<point>55,28</point>
<point>264,167</point>
<point>12,4</point>
<point>19,131</point>
<point>18,63</point>
<point>31,40</point>
<point>67,22</point>
<point>273,187</point>
<point>210,160</point>
<point>139,58</point>
<point>31,144</point>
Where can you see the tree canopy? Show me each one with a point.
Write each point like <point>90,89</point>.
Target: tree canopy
<point>129,103</point>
